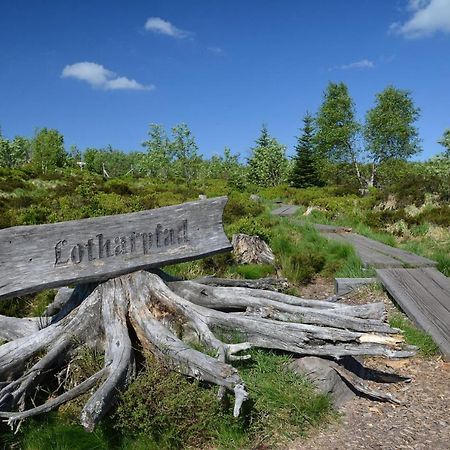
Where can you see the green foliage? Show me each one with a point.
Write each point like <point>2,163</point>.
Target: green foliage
<point>253,271</point>
<point>414,336</point>
<point>445,141</point>
<point>437,174</point>
<point>305,172</point>
<point>48,150</point>
<point>168,408</point>
<point>285,404</point>
<point>109,162</point>
<point>14,153</point>
<point>239,206</point>
<point>301,267</point>
<point>159,153</point>
<point>187,161</point>
<point>389,129</point>
<point>168,158</point>
<point>337,127</point>
<point>253,226</point>
<point>32,305</point>
<point>52,433</point>
<point>303,253</point>
<point>163,409</point>
<point>174,412</point>
<point>267,165</point>
<point>223,167</point>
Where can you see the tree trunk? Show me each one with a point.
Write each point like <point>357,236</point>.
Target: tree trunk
<point>157,311</point>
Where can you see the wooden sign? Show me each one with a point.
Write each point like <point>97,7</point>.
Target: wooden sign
<point>37,257</point>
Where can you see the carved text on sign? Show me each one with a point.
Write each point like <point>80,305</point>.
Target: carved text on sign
<point>135,242</point>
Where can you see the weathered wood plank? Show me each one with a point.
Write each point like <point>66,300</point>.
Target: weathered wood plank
<point>369,257</point>
<point>343,286</point>
<point>280,210</point>
<point>331,228</point>
<point>418,292</point>
<point>408,258</point>
<point>36,257</point>
<point>289,211</point>
<point>379,255</point>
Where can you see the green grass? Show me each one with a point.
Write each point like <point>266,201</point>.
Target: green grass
<point>302,253</point>
<point>285,405</point>
<point>282,405</point>
<point>28,305</point>
<point>252,271</point>
<point>414,336</point>
<point>164,410</point>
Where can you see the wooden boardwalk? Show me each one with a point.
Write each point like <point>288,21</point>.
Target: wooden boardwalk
<point>424,295</point>
<point>377,254</point>
<point>285,210</point>
<point>414,283</point>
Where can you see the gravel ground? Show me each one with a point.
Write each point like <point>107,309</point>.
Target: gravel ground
<point>422,421</point>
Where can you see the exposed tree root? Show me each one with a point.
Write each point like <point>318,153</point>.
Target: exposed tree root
<point>165,315</point>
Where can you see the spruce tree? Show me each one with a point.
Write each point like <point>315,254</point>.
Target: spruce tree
<point>305,172</point>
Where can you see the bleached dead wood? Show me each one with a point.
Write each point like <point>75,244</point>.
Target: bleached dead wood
<point>269,283</point>
<point>251,250</point>
<point>160,314</point>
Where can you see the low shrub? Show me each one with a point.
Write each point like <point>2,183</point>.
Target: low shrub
<point>11,183</point>
<point>253,226</point>
<point>119,187</point>
<point>240,206</point>
<point>438,216</point>
<point>301,267</point>
<point>168,408</point>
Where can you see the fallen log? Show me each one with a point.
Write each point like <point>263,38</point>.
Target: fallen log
<point>158,313</point>
<point>269,283</point>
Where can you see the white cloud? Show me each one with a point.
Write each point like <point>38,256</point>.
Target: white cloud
<point>215,50</point>
<point>100,77</point>
<point>361,64</point>
<point>414,5</point>
<point>161,26</point>
<point>428,17</point>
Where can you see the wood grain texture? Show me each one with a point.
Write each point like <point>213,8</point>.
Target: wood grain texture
<point>343,286</point>
<point>37,257</point>
<point>424,295</point>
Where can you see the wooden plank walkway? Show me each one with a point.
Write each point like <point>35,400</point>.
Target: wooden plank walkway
<point>285,210</point>
<point>424,295</point>
<point>372,253</point>
<point>414,283</point>
<point>379,255</point>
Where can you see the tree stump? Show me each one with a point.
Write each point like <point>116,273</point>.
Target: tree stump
<point>160,313</point>
<point>251,250</point>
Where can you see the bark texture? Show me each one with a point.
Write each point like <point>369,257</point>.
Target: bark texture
<point>166,316</point>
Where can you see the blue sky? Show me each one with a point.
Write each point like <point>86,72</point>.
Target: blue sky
<point>101,71</point>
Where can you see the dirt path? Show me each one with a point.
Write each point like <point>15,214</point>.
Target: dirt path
<point>421,422</point>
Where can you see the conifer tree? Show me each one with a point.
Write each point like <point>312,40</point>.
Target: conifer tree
<point>305,172</point>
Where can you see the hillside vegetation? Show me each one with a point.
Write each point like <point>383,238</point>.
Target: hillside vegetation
<point>377,192</point>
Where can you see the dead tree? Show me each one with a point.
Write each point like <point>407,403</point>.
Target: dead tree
<point>166,316</point>
<point>160,315</point>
